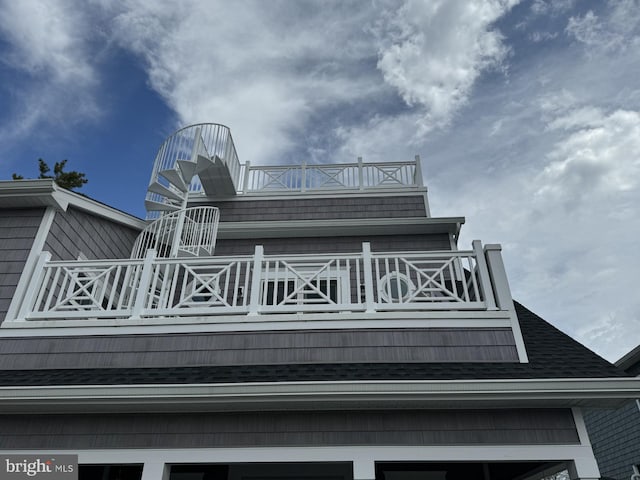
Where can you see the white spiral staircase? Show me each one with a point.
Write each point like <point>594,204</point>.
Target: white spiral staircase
<point>198,159</point>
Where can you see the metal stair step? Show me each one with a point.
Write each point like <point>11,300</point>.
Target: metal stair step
<point>160,189</point>
<point>162,207</point>
<point>175,178</point>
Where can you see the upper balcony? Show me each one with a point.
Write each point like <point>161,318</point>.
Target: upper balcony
<point>202,160</point>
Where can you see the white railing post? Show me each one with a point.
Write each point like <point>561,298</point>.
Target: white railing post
<point>360,174</point>
<point>483,276</point>
<point>498,275</point>
<point>303,177</point>
<point>417,174</point>
<point>144,285</point>
<point>34,286</point>
<point>256,279</point>
<point>247,170</point>
<point>368,278</point>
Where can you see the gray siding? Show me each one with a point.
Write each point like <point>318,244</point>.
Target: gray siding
<point>76,231</point>
<point>318,428</point>
<point>352,244</point>
<point>18,228</point>
<point>615,438</point>
<point>321,208</point>
<point>247,348</point>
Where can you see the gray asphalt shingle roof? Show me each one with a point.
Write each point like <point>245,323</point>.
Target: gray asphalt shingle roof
<point>552,354</point>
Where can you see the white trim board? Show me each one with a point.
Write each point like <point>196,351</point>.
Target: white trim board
<point>362,457</point>
<point>244,323</point>
<point>403,191</point>
<point>318,394</point>
<point>27,271</point>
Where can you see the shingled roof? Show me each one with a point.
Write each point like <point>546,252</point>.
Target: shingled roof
<point>552,354</point>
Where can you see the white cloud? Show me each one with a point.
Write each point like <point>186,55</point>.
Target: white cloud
<point>47,44</point>
<point>437,51</point>
<point>551,7</point>
<point>47,37</point>
<point>262,69</point>
<point>617,29</point>
<point>600,155</point>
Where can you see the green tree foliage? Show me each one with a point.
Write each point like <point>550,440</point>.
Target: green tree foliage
<point>69,180</point>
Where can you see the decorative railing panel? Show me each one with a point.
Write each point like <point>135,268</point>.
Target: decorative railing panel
<point>82,289</point>
<point>261,284</point>
<point>352,176</point>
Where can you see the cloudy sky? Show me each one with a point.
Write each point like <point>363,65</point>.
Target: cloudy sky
<point>526,115</point>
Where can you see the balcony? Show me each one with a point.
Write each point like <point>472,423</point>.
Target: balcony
<point>258,286</point>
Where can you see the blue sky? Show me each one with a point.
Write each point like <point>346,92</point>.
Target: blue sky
<point>526,115</point>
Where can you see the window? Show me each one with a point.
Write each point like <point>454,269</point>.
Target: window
<point>305,285</point>
<point>395,287</point>
<point>297,292</point>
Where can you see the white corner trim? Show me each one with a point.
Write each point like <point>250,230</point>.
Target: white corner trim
<point>36,248</point>
<point>517,335</point>
<point>581,427</point>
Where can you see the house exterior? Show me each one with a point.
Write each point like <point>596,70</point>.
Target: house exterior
<point>615,433</point>
<point>272,322</point>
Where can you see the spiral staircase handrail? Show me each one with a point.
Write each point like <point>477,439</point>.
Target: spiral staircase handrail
<point>187,232</point>
<point>207,139</point>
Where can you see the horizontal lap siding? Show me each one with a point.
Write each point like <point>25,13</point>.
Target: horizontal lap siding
<point>245,348</point>
<point>321,208</point>
<point>352,244</point>
<point>74,232</point>
<point>306,428</point>
<point>18,228</point>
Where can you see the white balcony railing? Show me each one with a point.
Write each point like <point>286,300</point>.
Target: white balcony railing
<point>366,281</point>
<point>343,176</point>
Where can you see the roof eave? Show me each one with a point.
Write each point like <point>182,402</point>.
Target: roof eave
<point>46,193</point>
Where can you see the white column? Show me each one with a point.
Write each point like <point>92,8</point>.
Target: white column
<point>583,468</point>
<point>364,469</point>
<point>155,471</point>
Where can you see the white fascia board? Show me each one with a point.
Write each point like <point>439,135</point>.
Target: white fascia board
<point>404,191</point>
<point>346,226</point>
<point>31,194</point>
<point>330,394</point>
<point>45,192</point>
